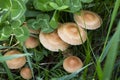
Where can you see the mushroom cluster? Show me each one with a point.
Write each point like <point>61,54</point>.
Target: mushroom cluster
<point>60,39</point>
<point>71,33</point>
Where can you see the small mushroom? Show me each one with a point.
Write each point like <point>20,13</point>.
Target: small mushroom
<point>72,34</point>
<point>31,42</point>
<point>26,73</point>
<point>52,41</point>
<point>72,64</point>
<point>88,19</point>
<point>16,62</point>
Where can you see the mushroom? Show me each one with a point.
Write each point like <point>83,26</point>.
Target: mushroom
<point>88,19</point>
<point>71,34</point>
<point>72,64</point>
<point>16,62</point>
<point>52,41</point>
<point>31,42</point>
<point>26,73</point>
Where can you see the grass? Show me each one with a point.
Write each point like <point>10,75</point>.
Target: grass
<point>100,53</point>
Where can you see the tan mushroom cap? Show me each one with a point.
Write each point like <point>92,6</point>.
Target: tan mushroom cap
<point>72,64</point>
<point>52,41</point>
<point>71,34</point>
<point>26,73</point>
<point>88,19</point>
<point>16,62</point>
<point>31,42</point>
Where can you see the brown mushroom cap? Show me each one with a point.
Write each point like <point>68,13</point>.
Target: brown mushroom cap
<point>31,42</point>
<point>52,41</point>
<point>72,64</point>
<point>26,73</point>
<point>16,62</point>
<point>71,34</point>
<point>88,19</point>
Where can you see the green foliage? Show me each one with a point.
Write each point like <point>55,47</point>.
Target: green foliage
<point>107,51</point>
<point>12,19</point>
<point>114,13</point>
<point>5,7</point>
<point>54,20</point>
<point>74,5</point>
<point>86,1</point>
<point>112,53</point>
<point>43,5</point>
<point>21,33</point>
<point>5,32</point>
<point>61,5</point>
<point>39,55</point>
<point>41,22</point>
<point>6,4</point>
<point>17,10</point>
<point>57,7</point>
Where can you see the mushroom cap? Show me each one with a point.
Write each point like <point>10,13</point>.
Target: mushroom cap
<point>72,64</point>
<point>16,62</point>
<point>52,41</point>
<point>88,19</point>
<point>26,73</point>
<point>31,42</point>
<point>71,34</point>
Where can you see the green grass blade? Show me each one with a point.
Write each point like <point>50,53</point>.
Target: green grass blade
<point>4,58</point>
<point>7,70</point>
<point>29,61</point>
<point>106,48</point>
<point>112,53</point>
<point>4,47</point>
<point>114,13</point>
<point>57,65</point>
<point>99,70</point>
